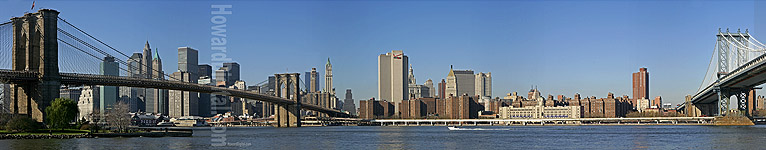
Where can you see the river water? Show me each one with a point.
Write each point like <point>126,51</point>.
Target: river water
<point>435,137</point>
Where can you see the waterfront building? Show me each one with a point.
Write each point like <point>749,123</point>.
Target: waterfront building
<point>462,107</point>
<point>484,84</point>
<point>640,85</point>
<point>539,112</point>
<point>348,103</point>
<point>642,104</point>
<point>460,82</point>
<point>374,109</point>
<point>328,78</point>
<point>88,102</point>
<point>392,76</point>
<point>108,94</point>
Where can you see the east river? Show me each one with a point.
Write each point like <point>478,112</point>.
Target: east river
<point>434,137</point>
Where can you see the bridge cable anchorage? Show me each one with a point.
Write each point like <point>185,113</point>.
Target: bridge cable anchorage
<point>112,48</point>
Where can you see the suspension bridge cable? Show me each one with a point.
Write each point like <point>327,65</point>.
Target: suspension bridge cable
<point>143,64</point>
<point>754,39</point>
<point>708,67</point>
<point>742,44</point>
<point>94,56</point>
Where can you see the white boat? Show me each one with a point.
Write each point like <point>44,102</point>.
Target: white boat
<point>453,128</point>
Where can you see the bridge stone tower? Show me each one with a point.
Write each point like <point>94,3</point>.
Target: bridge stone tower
<point>35,49</point>
<point>287,86</point>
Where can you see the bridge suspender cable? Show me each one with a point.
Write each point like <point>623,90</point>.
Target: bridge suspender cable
<point>708,67</point>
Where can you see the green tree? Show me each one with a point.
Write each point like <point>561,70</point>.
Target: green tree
<point>61,112</point>
<point>21,123</point>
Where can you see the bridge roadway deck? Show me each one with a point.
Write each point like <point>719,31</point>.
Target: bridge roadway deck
<point>749,75</point>
<point>84,79</point>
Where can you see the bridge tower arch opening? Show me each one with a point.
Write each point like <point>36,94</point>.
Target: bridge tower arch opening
<point>35,49</point>
<point>287,86</point>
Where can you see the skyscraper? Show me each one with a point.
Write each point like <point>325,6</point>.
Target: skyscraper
<point>460,82</point>
<point>159,97</point>
<point>108,94</point>
<point>392,77</point>
<point>640,85</point>
<point>313,80</point>
<point>184,103</point>
<point>416,91</point>
<point>431,90</point>
<point>205,70</point>
<point>484,84</point>
<point>328,78</point>
<point>442,89</point>
<point>228,74</point>
<point>348,103</point>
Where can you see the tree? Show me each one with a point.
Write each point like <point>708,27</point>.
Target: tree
<point>21,123</point>
<point>61,112</point>
<point>119,116</point>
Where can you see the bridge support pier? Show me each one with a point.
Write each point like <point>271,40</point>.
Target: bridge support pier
<point>288,115</point>
<point>35,49</point>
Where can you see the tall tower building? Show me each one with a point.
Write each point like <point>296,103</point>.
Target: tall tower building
<point>313,80</point>
<point>146,62</point>
<point>392,77</point>
<point>348,103</point>
<point>205,70</point>
<point>460,82</point>
<point>185,103</point>
<point>640,85</point>
<point>158,101</point>
<point>108,94</point>
<point>484,84</point>
<point>328,78</point>
<point>228,74</point>
<point>442,89</point>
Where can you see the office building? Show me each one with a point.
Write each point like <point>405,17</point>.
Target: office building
<point>460,82</point>
<point>374,109</point>
<point>657,102</point>
<point>640,85</point>
<point>185,103</point>
<point>108,94</point>
<point>348,103</point>
<point>72,93</point>
<point>228,74</point>
<point>205,70</point>
<point>88,102</point>
<point>415,90</point>
<point>431,90</point>
<point>442,89</point>
<point>484,84</point>
<point>392,77</point>
<point>158,101</point>
<point>328,87</point>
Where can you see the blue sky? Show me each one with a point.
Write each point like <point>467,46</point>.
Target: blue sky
<point>562,47</point>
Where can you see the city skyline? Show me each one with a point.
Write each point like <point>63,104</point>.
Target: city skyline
<point>597,66</point>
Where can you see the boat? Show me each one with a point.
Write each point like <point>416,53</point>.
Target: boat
<point>453,128</point>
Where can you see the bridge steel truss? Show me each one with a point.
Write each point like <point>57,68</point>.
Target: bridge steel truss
<point>725,42</point>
